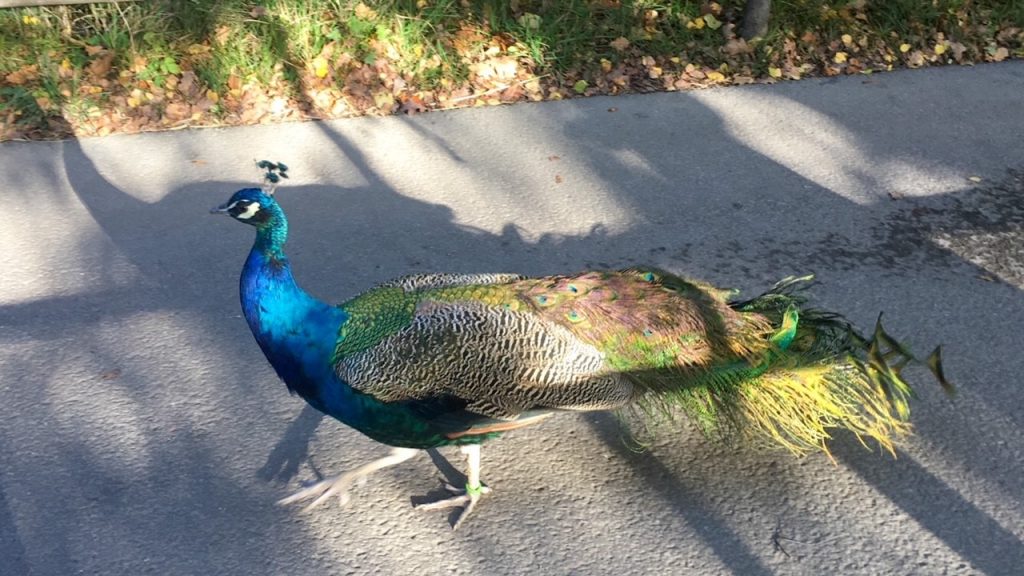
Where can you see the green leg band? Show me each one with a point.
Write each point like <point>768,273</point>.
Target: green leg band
<point>474,490</point>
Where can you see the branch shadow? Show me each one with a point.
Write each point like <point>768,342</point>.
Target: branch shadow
<point>939,508</point>
<point>720,237</point>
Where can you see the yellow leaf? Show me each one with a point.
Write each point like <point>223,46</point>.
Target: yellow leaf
<point>697,23</point>
<point>904,48</point>
<point>715,76</point>
<point>775,72</point>
<point>940,49</point>
<point>133,102</point>
<point>712,22</point>
<point>847,39</point>
<point>364,12</point>
<point>606,65</point>
<point>320,67</point>
<point>212,96</point>
<point>839,58</point>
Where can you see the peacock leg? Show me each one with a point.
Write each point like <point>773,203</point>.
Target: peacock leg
<point>339,485</point>
<point>468,497</point>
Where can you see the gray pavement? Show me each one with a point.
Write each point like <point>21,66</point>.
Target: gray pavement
<point>141,431</point>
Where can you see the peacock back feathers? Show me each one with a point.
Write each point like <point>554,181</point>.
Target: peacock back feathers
<point>509,346</point>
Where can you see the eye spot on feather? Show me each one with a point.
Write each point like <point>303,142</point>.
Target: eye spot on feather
<point>573,289</point>
<point>648,332</point>
<point>649,276</point>
<point>574,316</point>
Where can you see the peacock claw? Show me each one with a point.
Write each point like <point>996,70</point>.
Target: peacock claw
<point>322,491</point>
<point>339,485</point>
<point>465,498</point>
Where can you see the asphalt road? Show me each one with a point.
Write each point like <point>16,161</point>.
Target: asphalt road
<point>141,431</point>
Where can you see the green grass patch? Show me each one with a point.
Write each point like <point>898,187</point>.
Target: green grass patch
<point>134,55</point>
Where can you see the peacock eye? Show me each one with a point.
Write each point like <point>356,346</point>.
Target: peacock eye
<point>244,209</point>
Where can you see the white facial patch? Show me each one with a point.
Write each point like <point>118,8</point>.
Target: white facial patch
<point>250,211</point>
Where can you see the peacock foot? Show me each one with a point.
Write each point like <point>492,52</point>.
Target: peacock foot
<point>339,485</point>
<point>466,498</point>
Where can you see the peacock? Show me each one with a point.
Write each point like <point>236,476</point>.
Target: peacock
<point>434,360</point>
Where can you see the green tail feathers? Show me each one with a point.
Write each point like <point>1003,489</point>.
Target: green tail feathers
<point>817,374</point>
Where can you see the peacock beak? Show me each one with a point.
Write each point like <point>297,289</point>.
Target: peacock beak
<point>222,209</point>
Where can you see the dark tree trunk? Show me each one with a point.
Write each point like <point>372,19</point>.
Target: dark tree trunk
<point>755,18</point>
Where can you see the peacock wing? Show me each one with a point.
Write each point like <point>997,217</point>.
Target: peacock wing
<point>416,282</point>
<point>500,361</point>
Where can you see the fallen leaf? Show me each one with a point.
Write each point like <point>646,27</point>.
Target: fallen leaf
<point>904,48</point>
<point>412,105</point>
<point>177,111</point>
<point>258,11</point>
<point>775,72</point>
<point>530,21</point>
<point>364,12</point>
<point>716,76</point>
<point>100,67</point>
<point>620,44</point>
<point>320,67</point>
<point>847,40</point>
<point>712,22</point>
<point>839,58</point>
<point>1001,53</point>
<point>222,34</point>
<point>187,84</point>
<point>735,46</point>
<point>940,49</point>
<point>558,179</point>
<point>23,75</point>
<point>958,50</point>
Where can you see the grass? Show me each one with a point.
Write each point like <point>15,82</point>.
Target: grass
<point>152,62</point>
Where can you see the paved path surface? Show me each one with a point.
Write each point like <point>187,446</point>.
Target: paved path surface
<point>141,431</point>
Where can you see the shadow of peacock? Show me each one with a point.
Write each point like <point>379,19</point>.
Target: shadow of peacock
<point>457,359</point>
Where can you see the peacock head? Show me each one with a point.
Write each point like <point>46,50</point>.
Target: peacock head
<point>251,206</point>
<point>256,206</point>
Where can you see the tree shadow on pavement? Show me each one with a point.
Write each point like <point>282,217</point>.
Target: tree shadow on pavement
<point>698,208</point>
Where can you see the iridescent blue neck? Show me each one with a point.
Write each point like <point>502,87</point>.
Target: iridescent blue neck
<point>296,331</point>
